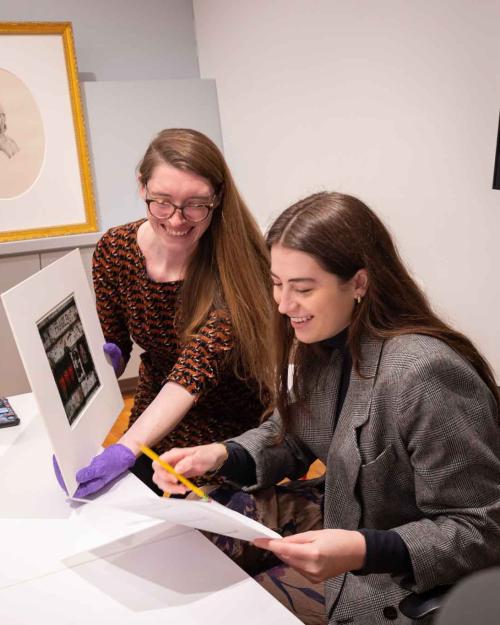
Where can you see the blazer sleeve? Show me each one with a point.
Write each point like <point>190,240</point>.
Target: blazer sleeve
<point>448,420</point>
<point>105,272</point>
<point>274,461</point>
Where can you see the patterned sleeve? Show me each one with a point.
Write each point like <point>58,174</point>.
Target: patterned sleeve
<point>105,270</point>
<point>201,361</point>
<point>274,461</point>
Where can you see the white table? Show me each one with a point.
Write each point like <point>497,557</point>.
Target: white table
<point>66,564</point>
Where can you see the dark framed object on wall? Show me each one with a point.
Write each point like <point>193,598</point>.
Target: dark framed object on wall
<point>496,170</point>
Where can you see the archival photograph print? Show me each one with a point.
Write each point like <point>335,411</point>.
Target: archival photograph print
<point>22,142</point>
<point>69,356</point>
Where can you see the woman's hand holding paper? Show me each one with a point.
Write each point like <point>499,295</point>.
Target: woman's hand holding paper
<point>320,554</point>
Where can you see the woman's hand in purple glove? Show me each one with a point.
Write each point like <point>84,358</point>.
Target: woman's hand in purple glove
<point>115,355</point>
<point>58,473</point>
<point>104,468</point>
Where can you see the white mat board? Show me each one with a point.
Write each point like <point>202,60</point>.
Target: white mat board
<point>54,322</point>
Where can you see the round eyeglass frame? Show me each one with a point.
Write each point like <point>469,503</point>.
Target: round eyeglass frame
<point>208,205</point>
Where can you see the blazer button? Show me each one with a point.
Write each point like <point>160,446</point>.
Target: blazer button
<point>390,612</point>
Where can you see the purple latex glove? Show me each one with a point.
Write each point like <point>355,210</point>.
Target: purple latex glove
<point>58,473</point>
<point>111,463</point>
<point>104,468</point>
<point>116,357</point>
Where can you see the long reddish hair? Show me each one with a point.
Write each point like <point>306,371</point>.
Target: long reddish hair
<point>230,268</point>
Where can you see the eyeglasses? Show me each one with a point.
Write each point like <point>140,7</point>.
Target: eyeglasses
<point>193,210</point>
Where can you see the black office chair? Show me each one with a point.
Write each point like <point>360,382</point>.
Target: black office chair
<point>416,607</point>
<point>474,600</point>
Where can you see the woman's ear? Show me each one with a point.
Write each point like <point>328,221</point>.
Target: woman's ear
<point>360,282</point>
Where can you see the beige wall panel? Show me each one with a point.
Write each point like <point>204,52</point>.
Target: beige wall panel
<point>13,269</point>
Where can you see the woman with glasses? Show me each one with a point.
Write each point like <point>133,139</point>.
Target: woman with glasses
<point>401,409</point>
<point>190,285</point>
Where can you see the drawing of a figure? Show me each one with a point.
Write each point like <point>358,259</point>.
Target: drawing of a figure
<point>22,141</point>
<point>7,145</point>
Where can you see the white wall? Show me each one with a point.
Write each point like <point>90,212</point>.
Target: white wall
<point>394,101</point>
<point>192,103</point>
<point>121,39</point>
<point>116,40</point>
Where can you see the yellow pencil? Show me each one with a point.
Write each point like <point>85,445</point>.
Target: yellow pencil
<point>151,454</point>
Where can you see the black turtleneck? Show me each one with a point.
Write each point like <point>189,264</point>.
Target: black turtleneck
<point>386,552</point>
<point>339,341</point>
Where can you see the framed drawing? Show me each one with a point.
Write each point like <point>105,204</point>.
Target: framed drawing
<point>45,178</point>
<point>53,318</point>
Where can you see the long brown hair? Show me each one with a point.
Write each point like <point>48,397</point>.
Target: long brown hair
<point>230,268</point>
<point>344,236</point>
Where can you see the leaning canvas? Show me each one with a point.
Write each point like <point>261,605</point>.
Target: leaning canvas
<point>54,322</point>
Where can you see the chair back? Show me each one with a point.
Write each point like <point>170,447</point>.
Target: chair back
<point>474,600</point>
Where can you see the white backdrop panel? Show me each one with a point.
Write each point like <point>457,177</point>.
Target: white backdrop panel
<point>123,118</point>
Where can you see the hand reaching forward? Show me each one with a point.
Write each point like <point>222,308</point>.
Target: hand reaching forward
<point>104,468</point>
<point>190,462</point>
<point>320,554</point>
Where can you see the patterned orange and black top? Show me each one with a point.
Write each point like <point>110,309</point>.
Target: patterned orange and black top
<point>132,306</point>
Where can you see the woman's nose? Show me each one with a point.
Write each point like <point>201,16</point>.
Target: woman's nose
<point>284,303</point>
<point>177,218</point>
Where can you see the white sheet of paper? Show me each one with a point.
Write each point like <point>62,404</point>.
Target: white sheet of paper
<point>54,322</point>
<point>204,515</point>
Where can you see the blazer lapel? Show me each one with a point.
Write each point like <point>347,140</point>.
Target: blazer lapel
<point>342,508</point>
<point>344,459</point>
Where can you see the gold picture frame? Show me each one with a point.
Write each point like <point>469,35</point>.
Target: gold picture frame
<point>48,190</point>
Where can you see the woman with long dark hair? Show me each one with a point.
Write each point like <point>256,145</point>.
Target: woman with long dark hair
<point>401,409</point>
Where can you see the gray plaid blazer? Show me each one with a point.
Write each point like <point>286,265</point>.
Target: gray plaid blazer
<point>416,449</point>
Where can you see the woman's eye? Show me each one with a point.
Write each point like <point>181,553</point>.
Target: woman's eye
<point>303,291</point>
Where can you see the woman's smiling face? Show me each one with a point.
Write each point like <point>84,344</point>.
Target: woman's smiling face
<point>318,303</point>
<point>168,183</point>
